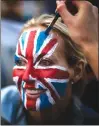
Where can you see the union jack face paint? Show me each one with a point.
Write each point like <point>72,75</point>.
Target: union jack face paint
<point>39,86</point>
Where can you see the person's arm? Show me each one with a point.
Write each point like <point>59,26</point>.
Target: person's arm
<point>83,29</point>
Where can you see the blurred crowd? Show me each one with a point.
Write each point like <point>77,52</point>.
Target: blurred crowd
<point>14,13</point>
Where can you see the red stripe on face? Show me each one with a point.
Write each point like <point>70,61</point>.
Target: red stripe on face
<point>18,72</point>
<point>40,74</point>
<point>49,46</point>
<point>30,85</point>
<point>31,103</point>
<point>30,45</point>
<point>50,73</point>
<point>19,84</point>
<point>19,49</point>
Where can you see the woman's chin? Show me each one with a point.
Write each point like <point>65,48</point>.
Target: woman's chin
<point>33,109</point>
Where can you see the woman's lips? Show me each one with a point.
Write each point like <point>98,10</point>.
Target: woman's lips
<point>34,93</point>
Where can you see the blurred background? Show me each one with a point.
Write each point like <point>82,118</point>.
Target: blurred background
<point>14,13</point>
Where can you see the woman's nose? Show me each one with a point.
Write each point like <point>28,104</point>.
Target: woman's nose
<point>26,74</point>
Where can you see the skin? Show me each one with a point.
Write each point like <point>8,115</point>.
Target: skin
<point>58,58</point>
<point>83,29</point>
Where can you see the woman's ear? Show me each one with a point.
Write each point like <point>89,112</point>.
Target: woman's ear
<point>78,71</point>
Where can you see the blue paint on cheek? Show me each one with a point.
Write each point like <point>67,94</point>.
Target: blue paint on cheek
<point>60,87</point>
<point>16,58</point>
<point>44,101</point>
<point>23,37</point>
<point>42,36</point>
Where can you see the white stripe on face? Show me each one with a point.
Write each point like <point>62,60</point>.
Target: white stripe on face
<point>25,44</point>
<point>15,79</point>
<point>50,95</point>
<point>19,67</point>
<point>47,40</point>
<point>50,98</point>
<point>50,52</point>
<point>35,44</point>
<point>38,102</point>
<point>57,80</point>
<point>53,88</point>
<point>50,67</point>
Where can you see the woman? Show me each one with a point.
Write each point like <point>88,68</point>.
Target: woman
<point>46,66</point>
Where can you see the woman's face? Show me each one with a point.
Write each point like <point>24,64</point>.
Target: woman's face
<point>41,72</point>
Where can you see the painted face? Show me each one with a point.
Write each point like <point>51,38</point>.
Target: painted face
<point>40,82</point>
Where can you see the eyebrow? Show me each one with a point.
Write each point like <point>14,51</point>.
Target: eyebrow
<point>53,57</point>
<point>17,57</point>
<point>39,57</point>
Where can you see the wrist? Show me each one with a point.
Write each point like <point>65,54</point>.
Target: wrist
<point>91,54</point>
<point>90,50</point>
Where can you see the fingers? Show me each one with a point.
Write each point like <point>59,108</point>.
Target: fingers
<point>95,11</point>
<point>83,6</point>
<point>85,9</point>
<point>81,3</point>
<point>62,9</point>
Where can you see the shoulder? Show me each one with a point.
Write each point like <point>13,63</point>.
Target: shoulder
<point>9,101</point>
<point>90,116</point>
<point>9,94</point>
<point>83,114</point>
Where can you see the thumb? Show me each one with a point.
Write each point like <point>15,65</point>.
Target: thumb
<point>63,11</point>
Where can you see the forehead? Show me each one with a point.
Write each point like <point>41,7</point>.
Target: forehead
<point>34,42</point>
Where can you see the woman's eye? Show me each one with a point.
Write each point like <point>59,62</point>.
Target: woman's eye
<point>20,62</point>
<point>46,62</point>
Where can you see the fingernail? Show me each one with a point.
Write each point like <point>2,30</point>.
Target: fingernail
<point>60,2</point>
<point>57,2</point>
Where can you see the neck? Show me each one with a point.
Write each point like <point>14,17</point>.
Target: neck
<point>48,116</point>
<point>44,116</point>
<point>51,114</point>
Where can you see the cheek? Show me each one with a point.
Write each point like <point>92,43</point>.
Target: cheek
<point>17,77</point>
<point>17,73</point>
<point>57,81</point>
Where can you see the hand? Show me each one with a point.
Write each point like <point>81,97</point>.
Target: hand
<point>83,28</point>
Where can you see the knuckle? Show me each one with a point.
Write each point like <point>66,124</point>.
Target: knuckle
<point>95,11</point>
<point>87,3</point>
<point>60,7</point>
<point>95,8</point>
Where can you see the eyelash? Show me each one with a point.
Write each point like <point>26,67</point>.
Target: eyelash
<point>43,62</point>
<point>20,62</point>
<point>46,62</point>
